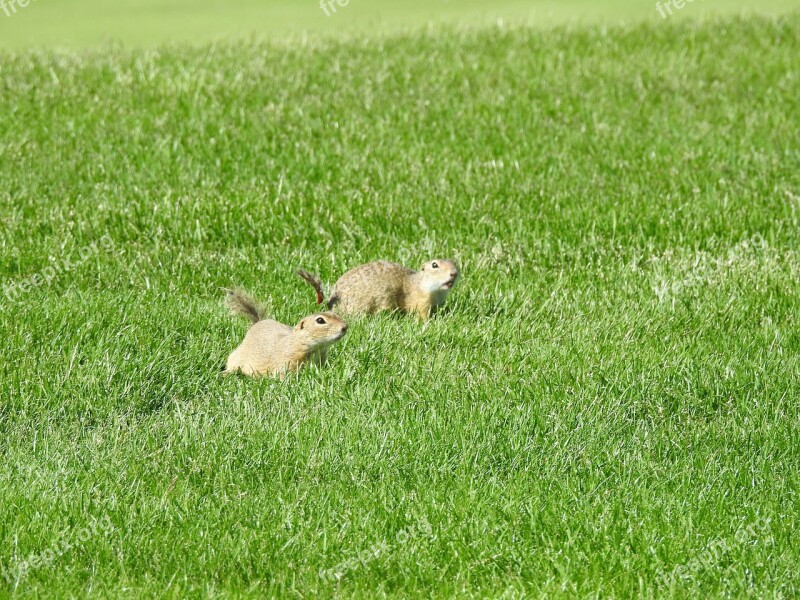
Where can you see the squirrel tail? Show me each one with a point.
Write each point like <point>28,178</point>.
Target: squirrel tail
<point>241,304</point>
<point>314,282</point>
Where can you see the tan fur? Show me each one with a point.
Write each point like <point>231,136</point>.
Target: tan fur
<point>385,286</point>
<point>270,347</point>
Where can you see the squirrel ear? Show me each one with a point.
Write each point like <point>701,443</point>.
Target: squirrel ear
<point>302,324</point>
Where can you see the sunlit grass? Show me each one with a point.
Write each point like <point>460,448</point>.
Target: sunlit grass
<point>611,389</point>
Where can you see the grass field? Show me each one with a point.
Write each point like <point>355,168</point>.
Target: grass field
<point>88,23</point>
<point>607,406</point>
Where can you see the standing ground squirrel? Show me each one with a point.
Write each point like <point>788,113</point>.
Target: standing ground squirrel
<point>270,347</point>
<point>383,285</point>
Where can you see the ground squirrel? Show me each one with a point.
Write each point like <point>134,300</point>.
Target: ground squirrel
<point>270,347</point>
<point>383,285</point>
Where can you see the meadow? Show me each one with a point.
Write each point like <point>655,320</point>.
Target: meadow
<point>607,406</point>
<point>80,24</point>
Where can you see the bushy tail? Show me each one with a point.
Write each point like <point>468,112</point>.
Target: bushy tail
<point>243,305</point>
<point>314,282</point>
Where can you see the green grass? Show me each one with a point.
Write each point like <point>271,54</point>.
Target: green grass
<point>89,23</point>
<point>611,389</point>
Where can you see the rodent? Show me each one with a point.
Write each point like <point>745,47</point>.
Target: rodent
<point>270,347</point>
<point>383,285</point>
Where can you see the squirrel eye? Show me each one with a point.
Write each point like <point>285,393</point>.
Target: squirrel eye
<point>435,265</point>
<point>320,320</point>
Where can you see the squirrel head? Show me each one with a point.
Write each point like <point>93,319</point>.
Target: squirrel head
<point>438,276</point>
<point>322,329</point>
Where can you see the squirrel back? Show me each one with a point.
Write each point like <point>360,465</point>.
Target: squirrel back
<point>383,285</point>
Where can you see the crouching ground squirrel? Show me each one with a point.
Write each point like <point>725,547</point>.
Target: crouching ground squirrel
<point>383,285</point>
<point>274,348</point>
